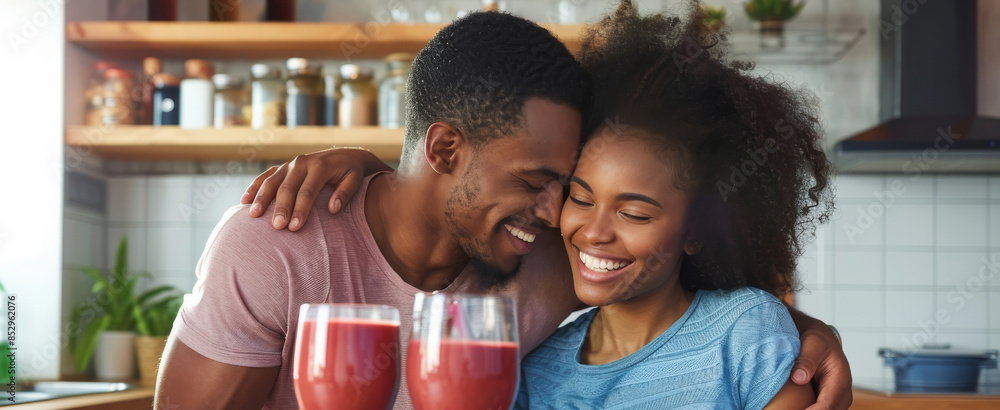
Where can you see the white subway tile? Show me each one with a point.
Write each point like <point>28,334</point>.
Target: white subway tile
<point>169,248</point>
<point>858,308</point>
<point>170,199</point>
<point>136,236</point>
<point>82,243</point>
<point>907,308</point>
<point>814,267</point>
<point>861,349</point>
<point>213,195</point>
<point>909,225</point>
<point>127,199</point>
<point>859,186</point>
<point>858,268</point>
<point>961,225</point>
<point>909,268</point>
<point>965,310</point>
<point>995,225</point>
<point>964,340</point>
<point>815,303</point>
<point>859,223</point>
<point>994,312</point>
<point>995,187</point>
<point>912,189</point>
<point>961,187</point>
<point>910,338</point>
<point>958,268</point>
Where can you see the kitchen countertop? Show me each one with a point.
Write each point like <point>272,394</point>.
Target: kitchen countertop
<point>131,399</point>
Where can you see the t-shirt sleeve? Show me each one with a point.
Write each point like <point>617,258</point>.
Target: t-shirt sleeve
<point>764,343</point>
<point>238,311</point>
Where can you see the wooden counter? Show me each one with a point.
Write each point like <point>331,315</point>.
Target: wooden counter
<point>865,399</point>
<point>140,398</point>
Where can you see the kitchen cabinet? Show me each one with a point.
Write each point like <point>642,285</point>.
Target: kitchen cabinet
<point>131,41</point>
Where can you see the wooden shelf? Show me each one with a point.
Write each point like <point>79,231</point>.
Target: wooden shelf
<point>235,143</point>
<point>249,40</point>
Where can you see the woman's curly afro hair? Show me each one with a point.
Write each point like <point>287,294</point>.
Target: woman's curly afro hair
<point>750,150</point>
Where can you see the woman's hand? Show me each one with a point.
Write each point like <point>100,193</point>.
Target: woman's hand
<point>295,185</point>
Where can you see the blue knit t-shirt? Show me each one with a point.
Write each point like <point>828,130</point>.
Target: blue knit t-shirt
<point>730,350</point>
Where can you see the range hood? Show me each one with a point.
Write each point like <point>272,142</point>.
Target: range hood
<point>927,96</point>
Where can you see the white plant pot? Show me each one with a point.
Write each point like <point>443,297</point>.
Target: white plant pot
<point>114,356</point>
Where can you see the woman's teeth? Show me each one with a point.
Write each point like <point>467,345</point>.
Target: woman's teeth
<point>601,265</point>
<point>522,235</point>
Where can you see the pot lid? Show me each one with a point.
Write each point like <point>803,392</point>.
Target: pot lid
<point>939,350</point>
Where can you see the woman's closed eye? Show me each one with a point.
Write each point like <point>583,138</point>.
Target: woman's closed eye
<point>635,217</point>
<point>579,201</point>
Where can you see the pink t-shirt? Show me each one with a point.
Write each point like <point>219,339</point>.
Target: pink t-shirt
<point>252,279</point>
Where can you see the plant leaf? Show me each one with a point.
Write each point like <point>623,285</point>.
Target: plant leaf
<point>151,293</point>
<point>89,341</point>
<point>121,258</point>
<point>140,321</point>
<point>96,275</point>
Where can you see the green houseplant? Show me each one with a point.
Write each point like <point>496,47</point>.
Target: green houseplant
<point>772,14</point>
<point>715,17</point>
<point>106,316</point>
<point>154,319</point>
<point>783,10</point>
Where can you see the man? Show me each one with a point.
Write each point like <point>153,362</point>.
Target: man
<point>493,126</point>
<point>488,84</point>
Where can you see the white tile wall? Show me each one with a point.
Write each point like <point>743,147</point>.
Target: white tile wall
<point>956,268</point>
<point>859,308</point>
<point>909,268</point>
<point>858,268</point>
<point>962,187</point>
<point>904,309</point>
<point>961,225</point>
<point>936,235</point>
<point>907,225</point>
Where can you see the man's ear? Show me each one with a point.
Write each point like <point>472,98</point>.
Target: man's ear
<point>441,147</point>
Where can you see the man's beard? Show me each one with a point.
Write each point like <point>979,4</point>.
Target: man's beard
<point>488,275</point>
<point>491,277</point>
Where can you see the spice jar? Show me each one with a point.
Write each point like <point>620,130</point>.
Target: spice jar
<point>113,103</point>
<point>94,95</point>
<point>357,96</point>
<point>304,105</point>
<point>197,93</point>
<point>166,99</point>
<point>331,94</point>
<point>279,10</point>
<point>267,97</point>
<point>150,67</point>
<point>224,10</point>
<point>228,101</point>
<point>392,91</point>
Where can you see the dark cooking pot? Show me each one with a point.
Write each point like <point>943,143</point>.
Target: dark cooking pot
<point>938,368</point>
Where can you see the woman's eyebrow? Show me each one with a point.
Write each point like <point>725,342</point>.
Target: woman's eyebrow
<point>638,197</point>
<point>583,184</point>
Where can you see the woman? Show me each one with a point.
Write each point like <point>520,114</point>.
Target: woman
<point>682,223</point>
<point>681,263</point>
